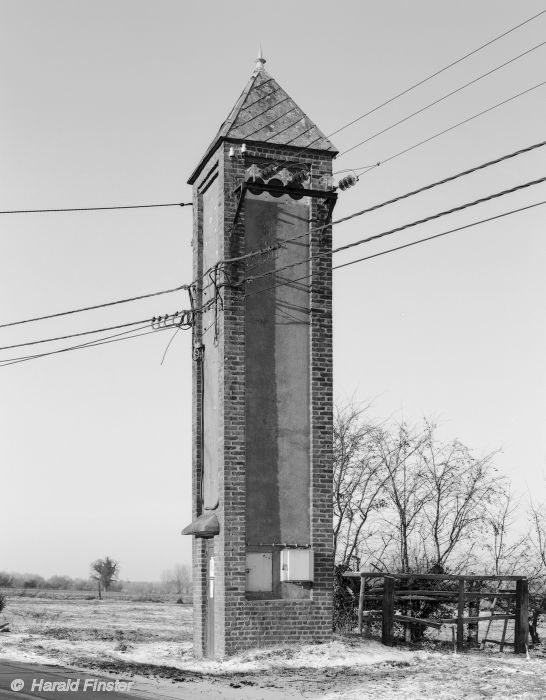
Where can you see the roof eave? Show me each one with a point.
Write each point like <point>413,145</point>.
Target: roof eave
<point>208,153</point>
<point>232,139</point>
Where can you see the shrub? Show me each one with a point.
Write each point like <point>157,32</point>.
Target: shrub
<point>60,582</point>
<point>345,616</point>
<point>33,581</point>
<point>2,602</point>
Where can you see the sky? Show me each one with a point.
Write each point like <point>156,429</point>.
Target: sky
<point>113,103</point>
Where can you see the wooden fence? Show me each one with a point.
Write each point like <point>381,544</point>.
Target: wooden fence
<point>400,590</point>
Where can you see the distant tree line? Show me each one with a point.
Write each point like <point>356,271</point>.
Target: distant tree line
<point>35,581</point>
<point>174,581</point>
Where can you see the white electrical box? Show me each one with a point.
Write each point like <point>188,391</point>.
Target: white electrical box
<point>297,565</point>
<point>259,571</point>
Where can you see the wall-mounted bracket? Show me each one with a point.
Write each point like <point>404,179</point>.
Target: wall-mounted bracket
<point>241,190</point>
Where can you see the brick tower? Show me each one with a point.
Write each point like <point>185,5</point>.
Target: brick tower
<point>262,378</point>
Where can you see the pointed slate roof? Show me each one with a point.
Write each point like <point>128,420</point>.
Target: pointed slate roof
<point>265,113</point>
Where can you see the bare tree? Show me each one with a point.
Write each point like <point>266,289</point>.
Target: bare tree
<point>459,488</point>
<point>537,568</point>
<point>179,578</point>
<point>405,490</point>
<point>359,478</point>
<point>537,513</point>
<point>507,554</point>
<point>404,500</point>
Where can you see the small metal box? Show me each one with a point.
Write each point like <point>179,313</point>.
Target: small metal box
<point>297,565</point>
<point>259,571</point>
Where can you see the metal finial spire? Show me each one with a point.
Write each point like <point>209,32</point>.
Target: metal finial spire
<point>260,60</point>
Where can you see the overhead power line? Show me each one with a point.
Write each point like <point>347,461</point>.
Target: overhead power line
<point>136,334</point>
<point>283,283</point>
<point>127,206</point>
<point>78,335</point>
<point>441,99</point>
<point>445,212</point>
<point>91,344</point>
<point>404,92</point>
<point>445,180</point>
<point>374,207</point>
<point>406,195</point>
<point>403,227</point>
<point>435,184</point>
<point>450,128</point>
<point>179,319</point>
<point>438,72</point>
<point>333,133</point>
<point>95,306</point>
<point>368,168</point>
<point>398,95</point>
<point>439,235</point>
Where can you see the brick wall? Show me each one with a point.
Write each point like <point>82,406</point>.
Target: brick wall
<point>241,623</point>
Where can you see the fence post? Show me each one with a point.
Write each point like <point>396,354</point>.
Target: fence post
<point>521,623</point>
<point>460,615</point>
<point>474,611</point>
<point>361,602</point>
<point>387,632</point>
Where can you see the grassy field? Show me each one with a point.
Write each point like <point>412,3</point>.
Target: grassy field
<point>76,628</point>
<point>54,594</point>
<point>127,637</point>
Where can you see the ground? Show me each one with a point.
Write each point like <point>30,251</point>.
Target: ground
<point>151,641</point>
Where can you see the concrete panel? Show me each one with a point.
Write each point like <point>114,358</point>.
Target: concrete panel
<point>277,376</point>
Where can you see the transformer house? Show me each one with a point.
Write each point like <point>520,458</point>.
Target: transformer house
<point>262,378</point>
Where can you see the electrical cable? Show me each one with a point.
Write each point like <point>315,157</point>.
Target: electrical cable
<point>180,204</point>
<point>374,207</point>
<point>128,206</point>
<point>417,84</point>
<point>186,204</point>
<point>353,170</point>
<point>450,178</point>
<point>169,344</point>
<point>454,126</point>
<point>391,250</point>
<point>115,338</point>
<point>441,99</point>
<point>99,341</point>
<point>437,235</point>
<point>424,141</point>
<point>143,324</point>
<point>436,73</point>
<point>76,335</point>
<point>179,319</point>
<point>96,306</point>
<point>403,227</point>
<point>87,343</point>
